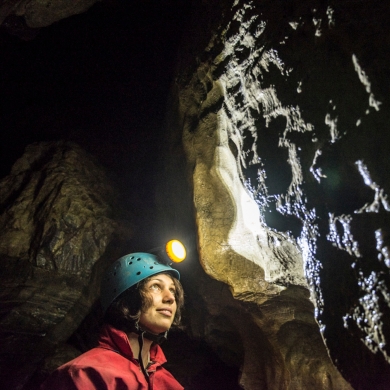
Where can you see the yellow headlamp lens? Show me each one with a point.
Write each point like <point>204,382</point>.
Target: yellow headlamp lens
<point>176,251</point>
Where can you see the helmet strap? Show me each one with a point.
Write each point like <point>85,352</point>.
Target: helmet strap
<point>156,338</point>
<point>140,360</point>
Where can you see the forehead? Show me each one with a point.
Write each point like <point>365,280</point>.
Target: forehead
<point>166,278</point>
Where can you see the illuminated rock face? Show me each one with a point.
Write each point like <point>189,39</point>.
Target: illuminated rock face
<point>229,218</point>
<point>284,127</point>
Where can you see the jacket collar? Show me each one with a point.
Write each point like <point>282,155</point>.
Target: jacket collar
<point>116,340</point>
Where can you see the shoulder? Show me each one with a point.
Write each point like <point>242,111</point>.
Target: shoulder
<point>101,359</point>
<point>89,370</point>
<point>95,369</point>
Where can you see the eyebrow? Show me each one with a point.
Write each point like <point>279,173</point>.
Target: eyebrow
<point>160,280</point>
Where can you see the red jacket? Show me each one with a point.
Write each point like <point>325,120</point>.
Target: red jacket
<point>112,366</point>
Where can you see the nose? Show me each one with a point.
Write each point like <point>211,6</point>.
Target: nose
<point>169,296</point>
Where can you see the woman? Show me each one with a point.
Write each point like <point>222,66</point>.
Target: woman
<point>141,299</point>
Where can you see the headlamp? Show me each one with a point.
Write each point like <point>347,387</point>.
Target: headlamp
<point>176,251</point>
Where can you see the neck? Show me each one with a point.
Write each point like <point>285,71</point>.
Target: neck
<point>133,340</point>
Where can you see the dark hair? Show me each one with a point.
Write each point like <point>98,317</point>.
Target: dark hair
<point>126,310</point>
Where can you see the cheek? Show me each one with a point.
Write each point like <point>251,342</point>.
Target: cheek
<point>155,300</point>
<point>149,301</point>
<point>146,315</point>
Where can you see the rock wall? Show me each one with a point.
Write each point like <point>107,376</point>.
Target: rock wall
<point>56,222</point>
<point>283,117</point>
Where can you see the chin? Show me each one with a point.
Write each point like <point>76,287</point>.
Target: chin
<point>163,329</point>
<point>156,329</point>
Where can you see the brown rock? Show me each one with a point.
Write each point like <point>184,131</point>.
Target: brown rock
<point>57,209</point>
<point>56,224</point>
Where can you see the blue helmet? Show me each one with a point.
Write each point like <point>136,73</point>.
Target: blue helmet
<point>128,271</point>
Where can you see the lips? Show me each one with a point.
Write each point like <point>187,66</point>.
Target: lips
<point>165,311</point>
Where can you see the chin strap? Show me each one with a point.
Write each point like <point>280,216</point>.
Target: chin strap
<point>140,360</point>
<point>156,338</point>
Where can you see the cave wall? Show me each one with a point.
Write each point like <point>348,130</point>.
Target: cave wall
<point>282,114</point>
<point>57,223</point>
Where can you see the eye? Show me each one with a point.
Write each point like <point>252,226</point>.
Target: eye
<point>155,287</point>
<point>173,291</point>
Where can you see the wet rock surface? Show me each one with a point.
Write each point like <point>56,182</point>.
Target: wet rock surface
<point>262,267</point>
<point>298,95</point>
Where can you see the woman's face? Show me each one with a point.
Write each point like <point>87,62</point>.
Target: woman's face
<point>158,317</point>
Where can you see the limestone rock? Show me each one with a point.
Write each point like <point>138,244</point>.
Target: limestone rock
<point>55,209</point>
<point>56,222</point>
<point>269,328</point>
<point>284,135</point>
<point>235,246</point>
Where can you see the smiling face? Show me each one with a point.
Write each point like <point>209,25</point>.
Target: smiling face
<point>158,317</point>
